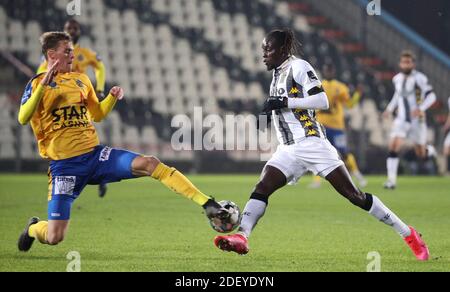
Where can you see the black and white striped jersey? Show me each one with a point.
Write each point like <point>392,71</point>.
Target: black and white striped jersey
<point>410,92</point>
<point>293,79</point>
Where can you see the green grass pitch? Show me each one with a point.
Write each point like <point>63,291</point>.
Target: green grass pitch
<point>142,226</point>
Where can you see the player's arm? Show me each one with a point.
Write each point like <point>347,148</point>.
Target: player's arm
<point>316,99</point>
<point>31,98</point>
<point>429,96</point>
<point>100,109</point>
<point>100,73</point>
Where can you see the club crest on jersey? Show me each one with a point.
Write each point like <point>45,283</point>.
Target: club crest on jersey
<point>80,58</point>
<point>79,83</point>
<point>281,91</point>
<point>53,85</point>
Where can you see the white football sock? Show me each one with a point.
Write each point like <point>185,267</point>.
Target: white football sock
<point>392,169</point>
<point>382,213</point>
<point>252,212</point>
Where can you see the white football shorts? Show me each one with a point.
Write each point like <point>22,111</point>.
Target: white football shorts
<point>309,154</point>
<point>415,131</point>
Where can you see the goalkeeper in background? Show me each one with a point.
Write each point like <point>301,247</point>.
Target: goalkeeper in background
<point>83,59</point>
<point>61,105</point>
<point>333,120</point>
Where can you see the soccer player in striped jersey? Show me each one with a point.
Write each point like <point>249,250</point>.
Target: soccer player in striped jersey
<point>61,105</point>
<point>83,59</point>
<point>295,94</point>
<point>334,120</point>
<point>413,96</point>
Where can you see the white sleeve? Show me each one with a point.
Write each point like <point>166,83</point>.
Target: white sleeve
<point>427,89</point>
<point>317,101</point>
<point>305,75</point>
<point>428,102</point>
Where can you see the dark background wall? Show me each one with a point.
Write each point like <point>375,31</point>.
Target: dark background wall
<point>429,18</point>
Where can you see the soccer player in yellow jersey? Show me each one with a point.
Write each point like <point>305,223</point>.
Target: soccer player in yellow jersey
<point>83,59</point>
<point>61,106</point>
<point>333,120</point>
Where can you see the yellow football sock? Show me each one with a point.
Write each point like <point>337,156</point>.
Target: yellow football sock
<point>39,231</point>
<point>177,182</point>
<point>316,179</point>
<point>350,161</point>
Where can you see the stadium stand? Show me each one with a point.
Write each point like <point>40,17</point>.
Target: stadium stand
<point>173,55</point>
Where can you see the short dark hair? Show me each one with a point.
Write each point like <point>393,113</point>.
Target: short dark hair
<point>50,40</point>
<point>285,37</point>
<point>408,54</point>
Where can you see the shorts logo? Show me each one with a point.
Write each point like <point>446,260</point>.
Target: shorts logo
<point>64,185</point>
<point>104,155</point>
<point>56,214</point>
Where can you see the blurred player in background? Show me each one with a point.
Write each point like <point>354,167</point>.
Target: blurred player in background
<point>295,93</point>
<point>83,59</point>
<point>333,119</point>
<point>413,96</point>
<point>447,139</point>
<point>61,105</point>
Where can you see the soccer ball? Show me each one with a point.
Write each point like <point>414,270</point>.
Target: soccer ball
<point>229,224</point>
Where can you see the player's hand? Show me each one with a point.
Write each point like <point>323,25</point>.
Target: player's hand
<point>51,73</point>
<point>417,113</point>
<point>117,92</point>
<point>274,103</point>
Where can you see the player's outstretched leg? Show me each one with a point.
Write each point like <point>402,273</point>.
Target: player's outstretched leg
<point>46,232</point>
<point>271,180</point>
<point>178,183</point>
<point>341,181</point>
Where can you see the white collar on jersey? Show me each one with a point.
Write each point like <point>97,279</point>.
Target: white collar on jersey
<point>285,63</point>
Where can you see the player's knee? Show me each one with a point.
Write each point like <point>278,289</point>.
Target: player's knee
<point>150,163</point>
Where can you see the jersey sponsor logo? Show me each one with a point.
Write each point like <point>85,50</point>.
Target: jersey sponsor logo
<point>64,185</point>
<point>105,153</point>
<point>312,77</point>
<point>72,116</point>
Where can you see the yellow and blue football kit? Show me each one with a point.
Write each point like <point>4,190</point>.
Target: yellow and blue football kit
<point>333,119</point>
<point>83,59</point>
<point>61,116</point>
